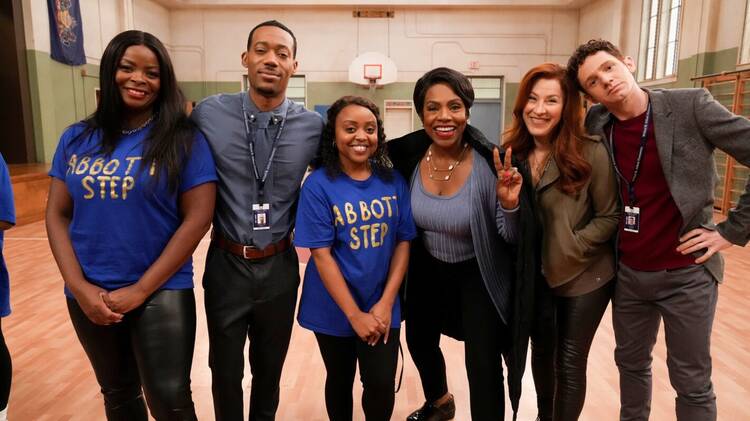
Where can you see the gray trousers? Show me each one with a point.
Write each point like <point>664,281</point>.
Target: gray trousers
<point>686,299</point>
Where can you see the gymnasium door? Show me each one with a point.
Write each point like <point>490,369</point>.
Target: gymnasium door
<point>15,109</point>
<point>486,117</point>
<point>487,112</point>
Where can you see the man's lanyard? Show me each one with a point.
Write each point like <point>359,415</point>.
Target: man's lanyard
<point>641,150</point>
<point>261,181</point>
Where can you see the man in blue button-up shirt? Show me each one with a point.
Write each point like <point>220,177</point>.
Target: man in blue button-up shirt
<point>262,144</point>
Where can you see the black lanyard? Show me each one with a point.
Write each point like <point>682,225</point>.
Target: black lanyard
<point>639,159</point>
<point>261,181</point>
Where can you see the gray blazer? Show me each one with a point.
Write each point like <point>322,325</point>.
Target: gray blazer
<point>688,125</point>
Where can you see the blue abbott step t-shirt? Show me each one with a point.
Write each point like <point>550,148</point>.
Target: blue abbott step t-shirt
<point>122,220</point>
<point>362,222</point>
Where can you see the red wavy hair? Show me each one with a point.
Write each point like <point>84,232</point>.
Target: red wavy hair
<point>567,136</point>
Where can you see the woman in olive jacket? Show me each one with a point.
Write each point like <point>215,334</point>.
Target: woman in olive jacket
<point>576,198</point>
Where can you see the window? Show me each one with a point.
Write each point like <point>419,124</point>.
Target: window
<point>660,39</point>
<point>745,44</point>
<point>487,87</point>
<point>296,90</point>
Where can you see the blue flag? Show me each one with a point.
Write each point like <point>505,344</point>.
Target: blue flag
<point>66,32</point>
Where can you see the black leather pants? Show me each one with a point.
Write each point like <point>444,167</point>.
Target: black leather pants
<point>543,343</point>
<point>576,319</point>
<point>151,349</point>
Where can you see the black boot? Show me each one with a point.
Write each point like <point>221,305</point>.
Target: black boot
<point>431,412</point>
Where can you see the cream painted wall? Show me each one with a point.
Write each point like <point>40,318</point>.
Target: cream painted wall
<point>207,43</point>
<point>600,19</point>
<point>152,17</point>
<point>731,17</point>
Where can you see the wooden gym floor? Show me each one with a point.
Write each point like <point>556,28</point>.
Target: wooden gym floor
<point>52,379</point>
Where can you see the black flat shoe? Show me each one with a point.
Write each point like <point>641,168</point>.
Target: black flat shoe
<point>430,412</point>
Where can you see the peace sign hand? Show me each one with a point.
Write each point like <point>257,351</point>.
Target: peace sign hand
<point>509,180</point>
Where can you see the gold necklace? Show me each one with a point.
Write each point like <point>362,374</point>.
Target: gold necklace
<point>432,169</point>
<point>538,167</point>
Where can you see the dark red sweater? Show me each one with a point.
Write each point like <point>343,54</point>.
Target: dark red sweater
<point>653,248</point>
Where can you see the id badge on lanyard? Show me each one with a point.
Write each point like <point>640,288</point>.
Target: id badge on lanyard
<point>261,212</point>
<point>261,216</point>
<point>632,214</point>
<point>632,219</point>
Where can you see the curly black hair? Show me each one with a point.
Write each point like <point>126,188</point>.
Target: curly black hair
<point>329,155</point>
<point>583,51</point>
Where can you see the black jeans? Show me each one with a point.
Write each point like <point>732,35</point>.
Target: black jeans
<point>577,319</point>
<point>255,300</point>
<point>6,371</point>
<point>377,371</point>
<point>152,348</point>
<point>459,286</point>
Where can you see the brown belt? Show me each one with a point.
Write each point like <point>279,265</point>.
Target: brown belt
<point>249,252</point>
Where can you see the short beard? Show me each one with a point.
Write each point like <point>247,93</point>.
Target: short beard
<point>266,92</point>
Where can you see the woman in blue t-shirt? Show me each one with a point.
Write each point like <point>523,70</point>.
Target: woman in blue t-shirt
<point>132,194</point>
<point>7,220</point>
<point>355,217</point>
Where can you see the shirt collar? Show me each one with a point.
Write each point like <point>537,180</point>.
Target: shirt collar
<point>251,108</point>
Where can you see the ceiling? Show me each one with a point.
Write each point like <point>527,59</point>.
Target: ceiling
<point>568,4</point>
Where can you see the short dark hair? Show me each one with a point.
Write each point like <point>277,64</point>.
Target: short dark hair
<point>456,80</point>
<point>329,155</point>
<point>278,25</point>
<point>583,51</point>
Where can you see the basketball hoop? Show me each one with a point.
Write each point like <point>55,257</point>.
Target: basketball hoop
<point>373,73</point>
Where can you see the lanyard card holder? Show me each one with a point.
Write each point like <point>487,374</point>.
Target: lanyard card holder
<point>632,219</point>
<point>261,216</point>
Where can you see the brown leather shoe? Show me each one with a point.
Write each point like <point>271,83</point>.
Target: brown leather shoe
<point>430,412</point>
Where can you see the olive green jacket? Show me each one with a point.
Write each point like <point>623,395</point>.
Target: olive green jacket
<point>578,228</point>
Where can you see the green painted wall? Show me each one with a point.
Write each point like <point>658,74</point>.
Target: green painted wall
<point>318,93</point>
<point>701,65</point>
<point>720,61</point>
<point>196,91</point>
<point>60,96</point>
<point>325,93</point>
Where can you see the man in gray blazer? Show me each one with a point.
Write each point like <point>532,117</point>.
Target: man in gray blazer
<point>661,144</point>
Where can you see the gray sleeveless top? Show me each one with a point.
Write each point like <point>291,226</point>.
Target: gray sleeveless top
<point>445,220</point>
